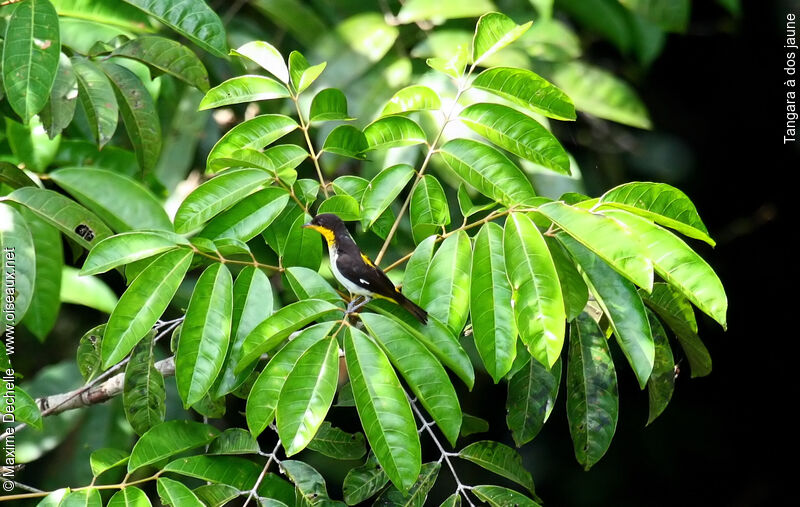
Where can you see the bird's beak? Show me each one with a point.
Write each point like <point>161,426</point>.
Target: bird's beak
<point>308,225</point>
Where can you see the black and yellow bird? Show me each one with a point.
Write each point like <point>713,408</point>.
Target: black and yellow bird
<point>355,271</point>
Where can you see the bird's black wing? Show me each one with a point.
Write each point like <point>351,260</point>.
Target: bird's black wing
<point>361,271</point>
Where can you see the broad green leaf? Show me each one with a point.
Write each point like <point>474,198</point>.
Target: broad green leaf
<point>421,370</point>
<point>412,98</point>
<point>242,89</point>
<point>130,206</point>
<point>25,408</point>
<point>309,483</point>
<point>661,383</point>
<point>493,324</point>
<point>445,292</point>
<point>551,40</point>
<point>610,240</point>
<point>309,284</point>
<point>363,481</point>
<point>143,303</point>
<point>493,32</point>
<point>249,217</point>
<point>128,247</point>
<point>302,73</point>
<point>602,94</point>
<point>31,49</point>
<point>452,66</point>
<point>166,55</point>
<point>329,105</point>
<point>498,496</point>
<point>16,237</point>
<point>60,109</point>
<point>143,392</point>
<point>417,268</point>
<point>472,425</point>
<point>307,395</point>
<point>279,326</point>
<point>88,353</point>
<point>592,397</point>
<point>266,56</point>
<point>215,195</point>
<point>466,204</point>
<point>421,10</point>
<point>418,492</point>
<point>129,496</point>
<point>193,19</point>
<point>338,444</point>
<point>453,500</point>
<point>347,141</point>
<point>436,336</point>
<point>573,288</point>
<point>234,441</point>
<point>661,203</point>
<point>488,170</point>
<point>14,177</point>
<point>44,298</point>
<point>285,158</point>
<point>54,498</point>
<point>532,394</point>
<point>344,206</point>
<point>622,305</point>
<point>75,221</point>
<point>677,313</point>
<point>518,133</point>
<point>205,334</point>
<point>167,439</point>
<point>669,15</point>
<point>303,245</point>
<point>383,409</point>
<point>537,299</point>
<point>679,265</point>
<point>82,498</point>
<point>527,89</point>
<point>500,459</point>
<point>106,459</point>
<point>174,493</point>
<point>87,291</point>
<point>30,144</point>
<point>277,234</point>
<point>98,99</point>
<point>241,473</point>
<point>428,210</point>
<point>263,398</point>
<point>382,191</point>
<point>216,495</point>
<point>255,133</point>
<point>393,132</point>
<point>248,157</point>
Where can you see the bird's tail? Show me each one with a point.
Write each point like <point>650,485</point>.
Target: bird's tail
<point>418,313</point>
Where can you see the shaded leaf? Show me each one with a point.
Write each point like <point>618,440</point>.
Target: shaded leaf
<point>498,496</point>
<point>45,302</point>
<point>661,383</point>
<point>382,191</point>
<point>60,109</point>
<point>532,394</point>
<point>364,481</point>
<point>143,392</point>
<point>338,444</point>
<point>167,56</point>
<point>106,459</point>
<point>97,98</point>
<point>500,459</point>
<point>167,439</point>
<point>417,494</point>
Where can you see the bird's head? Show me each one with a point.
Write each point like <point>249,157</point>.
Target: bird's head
<point>327,224</point>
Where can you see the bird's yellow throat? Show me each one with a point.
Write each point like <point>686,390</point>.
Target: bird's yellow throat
<point>326,233</point>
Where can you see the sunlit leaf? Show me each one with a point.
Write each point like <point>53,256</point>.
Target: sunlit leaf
<point>347,141</point>
<point>420,10</point>
<point>382,191</point>
<point>445,292</point>
<point>130,496</point>
<point>343,206</point>
<point>249,217</point>
<point>98,99</point>
<point>493,32</point>
<point>528,90</point>
<point>255,133</point>
<point>428,210</point>
<point>241,473</point>
<point>329,104</point>
<point>174,493</point>
<point>412,98</point>
<point>266,56</point>
<point>240,89</point>
<point>15,234</point>
<point>393,132</point>
<point>106,459</point>
<point>302,73</point>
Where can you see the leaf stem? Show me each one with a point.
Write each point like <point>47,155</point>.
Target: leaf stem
<point>224,260</point>
<point>253,493</point>
<point>314,155</point>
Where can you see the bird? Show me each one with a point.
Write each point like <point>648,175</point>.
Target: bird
<point>355,271</point>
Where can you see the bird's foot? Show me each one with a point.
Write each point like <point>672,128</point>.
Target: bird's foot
<point>353,306</point>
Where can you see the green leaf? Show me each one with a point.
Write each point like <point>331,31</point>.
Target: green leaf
<point>679,265</point>
<point>106,459</point>
<point>498,496</point>
<point>243,89</point>
<point>168,56</point>
<point>344,206</point>
<point>16,237</point>
<point>303,245</point>
<point>453,500</point>
<point>44,298</point>
<point>347,141</point>
<point>532,393</point>
<point>573,288</point>
<point>429,210</point>
<point>167,439</point>
<point>302,73</point>
<point>436,336</point>
<point>266,56</point>
<point>75,221</point>
<point>285,158</point>
<point>127,247</point>
<point>31,49</point>
<point>338,444</point>
<point>465,204</point>
<point>393,132</point>
<point>421,370</point>
<point>454,65</point>
<point>30,144</point>
<point>309,483</point>
<point>249,217</point>
<point>174,493</point>
<point>97,98</point>
<point>518,133</point>
<point>130,206</point>
<point>445,292</point>
<point>215,195</point>
<point>193,19</point>
<point>129,496</point>
<point>216,495</point>
<point>205,334</point>
<point>254,133</point>
<point>493,324</point>
<point>606,237</point>
<point>88,353</point>
<point>60,109</point>
<point>329,104</point>
<point>280,325</point>
<point>264,394</point>
<point>661,203</point>
<point>592,397</point>
<point>87,291</point>
<point>622,305</point>
<point>500,459</point>
<point>143,392</point>
<point>83,498</point>
<point>472,425</point>
<point>307,395</point>
<point>669,15</point>
<point>488,170</point>
<point>14,177</point>
<point>383,409</point>
<point>363,481</point>
<point>417,494</point>
<point>661,383</point>
<point>234,441</point>
<point>241,473</point>
<point>412,98</point>
<point>417,268</point>
<point>527,89</point>
<point>420,10</point>
<point>537,299</point>
<point>309,284</point>
<point>493,32</point>
<point>25,408</point>
<point>54,498</point>
<point>602,94</point>
<point>143,303</point>
<point>382,191</point>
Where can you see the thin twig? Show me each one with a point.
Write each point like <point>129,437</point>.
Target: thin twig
<point>314,155</point>
<point>253,493</point>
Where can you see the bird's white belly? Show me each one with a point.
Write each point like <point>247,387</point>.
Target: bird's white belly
<point>350,286</point>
